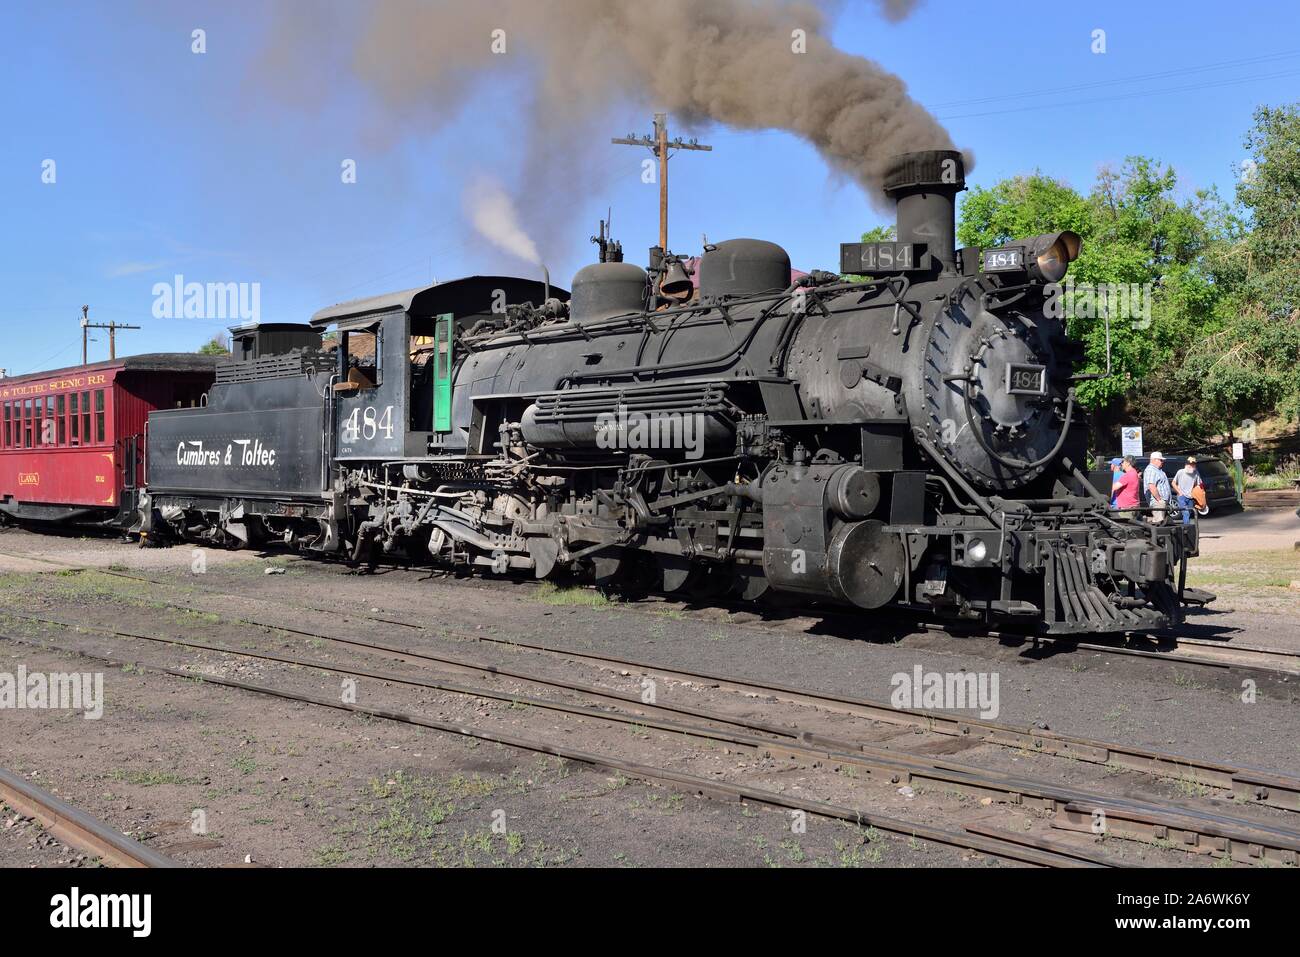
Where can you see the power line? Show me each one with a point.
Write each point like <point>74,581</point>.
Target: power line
<point>46,362</point>
<point>1080,87</point>
<point>1123,96</point>
<point>1117,81</point>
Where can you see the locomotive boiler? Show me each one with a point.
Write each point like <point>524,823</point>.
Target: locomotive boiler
<point>902,432</point>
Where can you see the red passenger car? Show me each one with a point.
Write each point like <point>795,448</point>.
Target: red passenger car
<point>72,440</point>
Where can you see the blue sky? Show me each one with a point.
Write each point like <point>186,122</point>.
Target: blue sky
<point>170,162</point>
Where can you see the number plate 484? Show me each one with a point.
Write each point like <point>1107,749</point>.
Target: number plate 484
<point>368,424</point>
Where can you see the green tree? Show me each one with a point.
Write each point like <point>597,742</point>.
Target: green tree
<point>216,346</point>
<point>1249,362</point>
<point>1134,232</point>
<point>1020,207</point>
<point>1145,237</point>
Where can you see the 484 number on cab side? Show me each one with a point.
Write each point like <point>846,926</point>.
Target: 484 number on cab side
<point>368,424</point>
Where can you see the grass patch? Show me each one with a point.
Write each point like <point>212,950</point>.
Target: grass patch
<point>1261,571</point>
<point>244,764</point>
<point>75,585</point>
<point>332,855</point>
<point>1189,787</point>
<point>548,593</point>
<point>148,779</point>
<point>407,812</point>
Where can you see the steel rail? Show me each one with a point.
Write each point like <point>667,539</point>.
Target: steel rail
<point>1269,662</point>
<point>691,783</point>
<point>1247,658</point>
<point>1247,783</point>
<point>75,827</point>
<point>1264,786</point>
<point>1200,831</point>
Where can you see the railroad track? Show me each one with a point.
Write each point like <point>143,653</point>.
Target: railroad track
<point>1009,846</point>
<point>1165,647</point>
<point>75,827</point>
<point>1246,783</point>
<point>1169,648</point>
<point>1186,828</point>
<point>1192,829</point>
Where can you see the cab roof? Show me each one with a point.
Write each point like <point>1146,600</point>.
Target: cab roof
<point>468,296</point>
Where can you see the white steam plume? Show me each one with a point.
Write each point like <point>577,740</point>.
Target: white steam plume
<point>489,208</point>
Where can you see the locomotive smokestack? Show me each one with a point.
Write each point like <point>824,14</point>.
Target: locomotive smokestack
<point>925,187</point>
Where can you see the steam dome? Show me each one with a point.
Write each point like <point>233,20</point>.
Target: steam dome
<point>602,290</point>
<point>743,267</point>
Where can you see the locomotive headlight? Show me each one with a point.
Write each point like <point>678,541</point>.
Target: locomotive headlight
<point>1050,255</point>
<point>1042,258</point>
<point>969,551</point>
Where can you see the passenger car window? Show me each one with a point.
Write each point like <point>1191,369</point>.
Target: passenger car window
<point>49,431</point>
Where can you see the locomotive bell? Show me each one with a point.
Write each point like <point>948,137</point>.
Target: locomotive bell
<point>676,283</point>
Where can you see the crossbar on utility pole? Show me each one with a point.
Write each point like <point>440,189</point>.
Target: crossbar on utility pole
<point>659,146</point>
<point>112,328</point>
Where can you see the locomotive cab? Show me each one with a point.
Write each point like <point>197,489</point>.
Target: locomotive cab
<point>395,361</point>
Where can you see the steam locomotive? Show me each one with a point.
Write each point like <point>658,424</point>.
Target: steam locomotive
<point>903,432</point>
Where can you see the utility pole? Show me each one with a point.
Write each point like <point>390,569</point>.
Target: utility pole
<point>659,146</point>
<point>112,328</point>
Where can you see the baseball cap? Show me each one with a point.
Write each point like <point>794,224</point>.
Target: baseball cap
<point>1157,455</point>
<point>1117,461</point>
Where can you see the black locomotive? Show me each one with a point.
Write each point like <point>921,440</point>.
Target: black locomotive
<point>908,436</point>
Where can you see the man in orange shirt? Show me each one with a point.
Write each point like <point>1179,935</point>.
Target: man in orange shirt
<point>1186,481</point>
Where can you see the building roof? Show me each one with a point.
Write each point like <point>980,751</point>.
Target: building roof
<point>149,362</point>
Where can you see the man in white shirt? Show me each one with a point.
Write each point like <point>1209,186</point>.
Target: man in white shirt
<point>1156,485</point>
